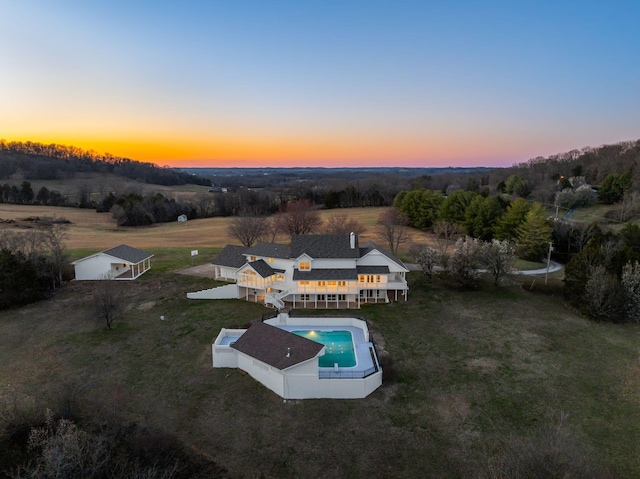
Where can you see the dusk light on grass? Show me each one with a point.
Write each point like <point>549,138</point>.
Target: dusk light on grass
<point>333,83</point>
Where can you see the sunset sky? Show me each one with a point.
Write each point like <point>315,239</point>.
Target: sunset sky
<point>321,83</point>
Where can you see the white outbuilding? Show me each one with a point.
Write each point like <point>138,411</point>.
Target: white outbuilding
<point>122,263</point>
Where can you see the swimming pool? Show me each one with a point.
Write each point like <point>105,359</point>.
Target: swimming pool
<point>338,347</point>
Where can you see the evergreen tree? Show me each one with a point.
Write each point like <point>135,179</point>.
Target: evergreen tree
<point>19,281</point>
<point>507,225</point>
<point>534,234</point>
<point>454,207</point>
<point>482,215</point>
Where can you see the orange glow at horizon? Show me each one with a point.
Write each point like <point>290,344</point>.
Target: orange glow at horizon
<point>251,152</point>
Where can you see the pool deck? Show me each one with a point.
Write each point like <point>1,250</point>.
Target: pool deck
<point>364,361</point>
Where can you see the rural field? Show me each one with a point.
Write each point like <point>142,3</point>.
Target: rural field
<point>91,231</point>
<point>481,381</point>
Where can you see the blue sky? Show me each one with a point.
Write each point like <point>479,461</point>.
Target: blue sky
<point>349,83</point>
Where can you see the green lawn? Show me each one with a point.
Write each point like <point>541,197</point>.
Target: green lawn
<point>477,377</point>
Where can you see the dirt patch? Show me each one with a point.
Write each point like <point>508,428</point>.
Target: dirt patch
<point>146,306</point>
<point>205,270</point>
<point>452,407</point>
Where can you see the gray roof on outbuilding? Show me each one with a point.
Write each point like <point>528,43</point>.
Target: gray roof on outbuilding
<point>129,254</point>
<point>276,347</point>
<point>323,246</point>
<point>325,274</point>
<point>269,250</point>
<point>231,256</point>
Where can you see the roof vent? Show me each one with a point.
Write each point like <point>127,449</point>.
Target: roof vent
<point>288,352</point>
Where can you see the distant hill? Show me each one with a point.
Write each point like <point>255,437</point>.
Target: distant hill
<point>36,161</point>
<point>265,177</point>
<point>593,163</point>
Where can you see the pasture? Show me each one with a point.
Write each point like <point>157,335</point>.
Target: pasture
<point>91,231</point>
<point>481,381</point>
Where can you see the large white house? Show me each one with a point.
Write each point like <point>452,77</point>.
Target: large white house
<point>314,271</point>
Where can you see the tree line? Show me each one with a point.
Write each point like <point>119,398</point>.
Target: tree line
<point>38,161</point>
<point>32,263</point>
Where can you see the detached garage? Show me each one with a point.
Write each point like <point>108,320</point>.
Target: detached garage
<point>122,262</point>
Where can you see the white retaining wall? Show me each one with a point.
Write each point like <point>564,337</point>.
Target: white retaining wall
<point>228,291</point>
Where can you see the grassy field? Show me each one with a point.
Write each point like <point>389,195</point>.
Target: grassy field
<point>480,380</point>
<point>90,231</point>
<point>480,377</point>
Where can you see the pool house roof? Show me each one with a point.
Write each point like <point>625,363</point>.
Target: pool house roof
<point>276,347</point>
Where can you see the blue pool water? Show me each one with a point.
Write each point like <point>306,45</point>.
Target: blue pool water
<point>338,347</point>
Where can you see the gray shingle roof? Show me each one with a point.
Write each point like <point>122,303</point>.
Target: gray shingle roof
<point>373,269</point>
<point>276,347</point>
<point>325,274</point>
<point>269,250</point>
<point>231,256</point>
<point>262,268</point>
<point>323,246</point>
<point>127,253</point>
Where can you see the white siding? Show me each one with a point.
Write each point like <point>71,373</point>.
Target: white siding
<point>93,267</point>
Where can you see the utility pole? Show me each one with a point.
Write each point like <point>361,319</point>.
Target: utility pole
<point>548,261</point>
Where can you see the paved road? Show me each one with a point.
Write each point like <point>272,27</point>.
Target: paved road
<point>553,266</point>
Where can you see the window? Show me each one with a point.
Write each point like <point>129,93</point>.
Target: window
<point>378,279</point>
<point>320,297</point>
<point>280,277</point>
<point>370,278</point>
<point>304,297</point>
<point>305,266</point>
<point>331,283</point>
<point>331,297</point>
<point>322,283</point>
<point>361,278</point>
<point>342,297</point>
<point>304,283</point>
<point>270,260</point>
<point>252,258</point>
<point>342,283</point>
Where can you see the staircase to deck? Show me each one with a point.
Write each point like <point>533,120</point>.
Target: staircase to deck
<point>276,299</point>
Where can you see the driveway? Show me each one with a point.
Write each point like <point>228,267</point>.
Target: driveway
<point>206,270</point>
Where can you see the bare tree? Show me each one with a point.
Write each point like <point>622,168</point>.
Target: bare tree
<point>392,228</point>
<point>299,217</point>
<point>248,229</point>
<point>446,233</point>
<point>109,301</point>
<point>499,258</point>
<point>603,296</point>
<point>631,286</point>
<point>84,195</point>
<point>426,257</point>
<point>341,224</point>
<point>581,233</point>
<point>464,262</point>
<point>54,233</point>
<point>119,214</point>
